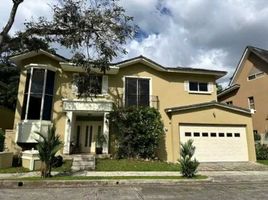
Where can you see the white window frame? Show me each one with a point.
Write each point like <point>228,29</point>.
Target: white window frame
<point>256,76</point>
<point>253,110</point>
<point>104,87</point>
<point>32,67</point>
<point>138,77</point>
<point>210,86</point>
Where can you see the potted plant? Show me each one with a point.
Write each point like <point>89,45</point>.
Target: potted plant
<point>100,140</point>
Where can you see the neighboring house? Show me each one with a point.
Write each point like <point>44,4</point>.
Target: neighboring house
<point>248,88</point>
<point>185,97</point>
<point>6,114</point>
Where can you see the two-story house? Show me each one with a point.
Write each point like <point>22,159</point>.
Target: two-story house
<point>248,87</point>
<point>185,97</point>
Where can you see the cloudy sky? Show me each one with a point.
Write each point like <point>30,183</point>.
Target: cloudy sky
<point>209,34</point>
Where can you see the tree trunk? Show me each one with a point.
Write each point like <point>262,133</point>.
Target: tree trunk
<point>10,21</point>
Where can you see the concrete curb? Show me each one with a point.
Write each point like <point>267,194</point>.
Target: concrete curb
<point>85,183</point>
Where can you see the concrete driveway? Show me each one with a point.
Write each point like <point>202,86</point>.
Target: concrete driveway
<point>232,166</point>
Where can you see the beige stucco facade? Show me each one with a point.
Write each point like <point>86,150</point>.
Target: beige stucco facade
<point>168,86</point>
<point>256,88</point>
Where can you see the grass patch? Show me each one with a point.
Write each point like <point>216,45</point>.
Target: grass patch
<point>264,162</point>
<point>109,178</point>
<point>66,167</point>
<point>134,165</point>
<point>14,170</point>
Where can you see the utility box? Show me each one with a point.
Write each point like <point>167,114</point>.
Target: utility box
<point>31,160</point>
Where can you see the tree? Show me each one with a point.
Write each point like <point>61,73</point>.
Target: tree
<point>10,45</point>
<point>48,146</point>
<point>188,165</point>
<point>4,33</point>
<point>95,31</point>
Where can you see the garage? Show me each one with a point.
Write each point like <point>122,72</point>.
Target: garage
<point>216,143</point>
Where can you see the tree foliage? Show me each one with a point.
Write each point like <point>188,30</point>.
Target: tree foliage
<point>188,164</point>
<point>138,131</point>
<point>95,31</point>
<point>48,146</point>
<point>261,151</point>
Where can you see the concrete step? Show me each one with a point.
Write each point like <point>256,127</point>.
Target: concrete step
<point>82,168</point>
<point>83,162</point>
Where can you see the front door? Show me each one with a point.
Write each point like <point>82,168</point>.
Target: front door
<point>86,135</point>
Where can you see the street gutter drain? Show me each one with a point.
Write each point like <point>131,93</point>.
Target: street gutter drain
<point>20,184</point>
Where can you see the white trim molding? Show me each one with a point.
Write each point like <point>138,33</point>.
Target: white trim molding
<point>79,105</point>
<point>138,77</point>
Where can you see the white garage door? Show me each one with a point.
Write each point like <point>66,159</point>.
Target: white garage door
<point>216,143</point>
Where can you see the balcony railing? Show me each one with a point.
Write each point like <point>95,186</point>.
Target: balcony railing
<point>138,100</point>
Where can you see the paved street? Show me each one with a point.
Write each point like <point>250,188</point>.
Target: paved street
<point>198,191</point>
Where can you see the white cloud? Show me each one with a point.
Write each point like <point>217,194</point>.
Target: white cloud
<point>196,33</point>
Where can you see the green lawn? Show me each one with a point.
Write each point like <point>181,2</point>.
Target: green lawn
<point>14,170</point>
<point>66,167</point>
<point>265,162</point>
<point>108,177</point>
<point>134,165</point>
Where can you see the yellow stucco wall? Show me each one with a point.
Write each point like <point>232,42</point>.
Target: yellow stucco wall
<point>211,116</point>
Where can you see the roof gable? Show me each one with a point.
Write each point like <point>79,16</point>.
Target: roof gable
<point>17,59</point>
<point>260,53</point>
<point>207,105</point>
<point>185,70</point>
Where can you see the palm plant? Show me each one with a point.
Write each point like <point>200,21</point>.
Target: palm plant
<point>48,146</point>
<point>188,165</point>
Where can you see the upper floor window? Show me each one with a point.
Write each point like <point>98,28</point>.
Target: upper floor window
<point>137,92</point>
<point>92,84</point>
<point>229,102</point>
<point>198,86</point>
<point>38,95</point>
<point>256,75</point>
<point>251,103</point>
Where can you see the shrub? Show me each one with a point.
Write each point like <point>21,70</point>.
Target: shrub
<point>2,140</point>
<point>257,137</point>
<point>188,165</point>
<point>261,151</point>
<point>137,130</point>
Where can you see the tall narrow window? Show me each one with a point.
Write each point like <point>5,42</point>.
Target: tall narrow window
<point>86,137</point>
<point>90,136</point>
<point>78,137</point>
<point>137,92</point>
<point>38,95</point>
<point>251,103</point>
